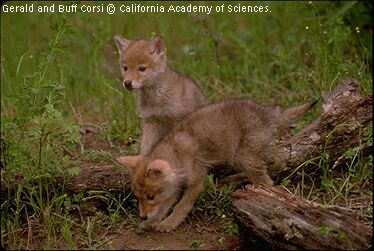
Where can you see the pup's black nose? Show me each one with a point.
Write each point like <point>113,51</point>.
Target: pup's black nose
<point>143,217</point>
<point>128,84</point>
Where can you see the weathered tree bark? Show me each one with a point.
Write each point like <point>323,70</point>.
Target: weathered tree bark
<point>291,222</point>
<point>100,178</point>
<point>345,117</point>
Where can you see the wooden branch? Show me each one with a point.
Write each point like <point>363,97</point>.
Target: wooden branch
<point>91,178</point>
<point>291,222</point>
<point>345,117</point>
<point>345,112</point>
<point>100,178</point>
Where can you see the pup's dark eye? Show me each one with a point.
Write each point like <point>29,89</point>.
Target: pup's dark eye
<point>142,68</point>
<point>150,197</point>
<point>125,68</point>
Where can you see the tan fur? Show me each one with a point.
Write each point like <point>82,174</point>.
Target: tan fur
<point>163,96</point>
<point>237,132</point>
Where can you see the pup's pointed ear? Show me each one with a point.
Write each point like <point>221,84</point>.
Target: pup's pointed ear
<point>130,162</point>
<point>157,45</point>
<point>121,43</point>
<point>160,169</point>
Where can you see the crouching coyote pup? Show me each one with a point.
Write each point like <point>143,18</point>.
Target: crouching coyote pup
<point>238,132</point>
<point>163,96</point>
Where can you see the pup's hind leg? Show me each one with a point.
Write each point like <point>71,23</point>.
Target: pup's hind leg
<point>254,167</point>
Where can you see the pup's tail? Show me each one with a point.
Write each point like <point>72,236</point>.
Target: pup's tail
<point>291,114</point>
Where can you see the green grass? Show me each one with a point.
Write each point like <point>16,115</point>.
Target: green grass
<point>215,204</point>
<point>59,73</point>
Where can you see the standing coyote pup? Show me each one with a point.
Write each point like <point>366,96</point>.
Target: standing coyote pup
<point>238,132</point>
<point>163,96</point>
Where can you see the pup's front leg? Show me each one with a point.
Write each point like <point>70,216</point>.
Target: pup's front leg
<point>150,136</point>
<point>153,222</point>
<point>182,209</point>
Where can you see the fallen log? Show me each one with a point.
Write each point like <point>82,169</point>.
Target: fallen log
<point>100,178</point>
<point>290,222</point>
<point>345,117</point>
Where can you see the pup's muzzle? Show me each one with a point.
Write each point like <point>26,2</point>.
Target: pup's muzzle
<point>128,84</point>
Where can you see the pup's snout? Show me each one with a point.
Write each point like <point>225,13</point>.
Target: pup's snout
<point>128,84</point>
<point>143,217</point>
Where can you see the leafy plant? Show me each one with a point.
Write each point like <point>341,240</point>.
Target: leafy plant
<point>37,136</point>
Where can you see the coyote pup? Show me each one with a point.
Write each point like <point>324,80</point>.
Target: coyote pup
<point>163,96</point>
<point>237,132</point>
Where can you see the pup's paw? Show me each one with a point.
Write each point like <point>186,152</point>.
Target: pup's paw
<point>147,225</point>
<point>165,227</point>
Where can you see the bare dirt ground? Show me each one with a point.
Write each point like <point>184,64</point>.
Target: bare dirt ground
<point>190,235</point>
